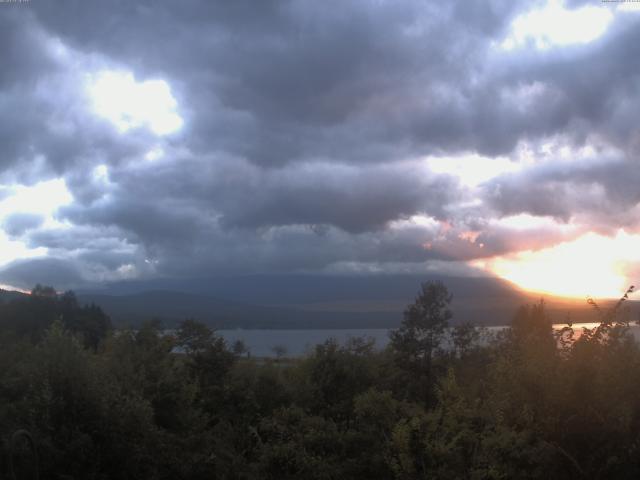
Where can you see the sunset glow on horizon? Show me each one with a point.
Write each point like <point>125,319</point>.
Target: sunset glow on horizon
<point>592,265</point>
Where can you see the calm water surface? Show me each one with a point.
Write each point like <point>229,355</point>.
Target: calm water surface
<point>261,343</point>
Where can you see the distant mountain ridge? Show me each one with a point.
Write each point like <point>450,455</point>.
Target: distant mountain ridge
<point>315,301</point>
<point>8,295</point>
<point>173,306</point>
<point>312,301</point>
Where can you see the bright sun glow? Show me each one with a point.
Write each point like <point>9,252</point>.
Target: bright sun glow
<point>557,25</point>
<point>591,265</point>
<point>128,104</point>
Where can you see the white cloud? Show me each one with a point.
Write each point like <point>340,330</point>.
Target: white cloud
<point>43,198</point>
<point>556,25</point>
<point>119,98</point>
<point>525,221</point>
<point>415,221</point>
<point>472,169</point>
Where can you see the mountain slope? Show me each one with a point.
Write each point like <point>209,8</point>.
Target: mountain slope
<point>306,301</point>
<point>8,295</point>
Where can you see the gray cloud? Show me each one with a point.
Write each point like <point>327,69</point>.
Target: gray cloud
<point>49,271</point>
<point>603,193</point>
<point>304,131</point>
<point>18,223</point>
<point>291,81</point>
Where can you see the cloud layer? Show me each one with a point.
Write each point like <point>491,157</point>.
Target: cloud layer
<point>302,134</point>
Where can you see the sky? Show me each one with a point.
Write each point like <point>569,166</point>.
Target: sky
<point>181,139</point>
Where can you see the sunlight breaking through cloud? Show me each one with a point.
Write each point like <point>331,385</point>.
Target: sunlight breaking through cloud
<point>42,198</point>
<point>39,202</point>
<point>11,250</point>
<point>556,25</point>
<point>127,103</point>
<point>593,265</point>
<point>472,169</point>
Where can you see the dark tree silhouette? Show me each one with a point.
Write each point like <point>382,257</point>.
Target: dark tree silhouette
<point>421,333</point>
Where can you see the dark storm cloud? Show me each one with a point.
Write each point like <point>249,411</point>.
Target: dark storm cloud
<point>603,195</point>
<point>361,81</point>
<point>20,48</point>
<point>241,195</point>
<point>47,127</point>
<point>219,252</point>
<point>234,216</point>
<point>355,201</point>
<point>592,89</point>
<point>49,271</point>
<point>304,128</point>
<point>365,81</point>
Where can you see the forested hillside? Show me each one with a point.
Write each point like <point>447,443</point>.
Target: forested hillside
<point>133,404</point>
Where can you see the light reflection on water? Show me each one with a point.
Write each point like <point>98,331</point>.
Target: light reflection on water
<point>261,343</point>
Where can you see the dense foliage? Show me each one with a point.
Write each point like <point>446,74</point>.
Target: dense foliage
<point>437,403</point>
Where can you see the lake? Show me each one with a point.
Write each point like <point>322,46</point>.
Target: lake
<point>261,343</point>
